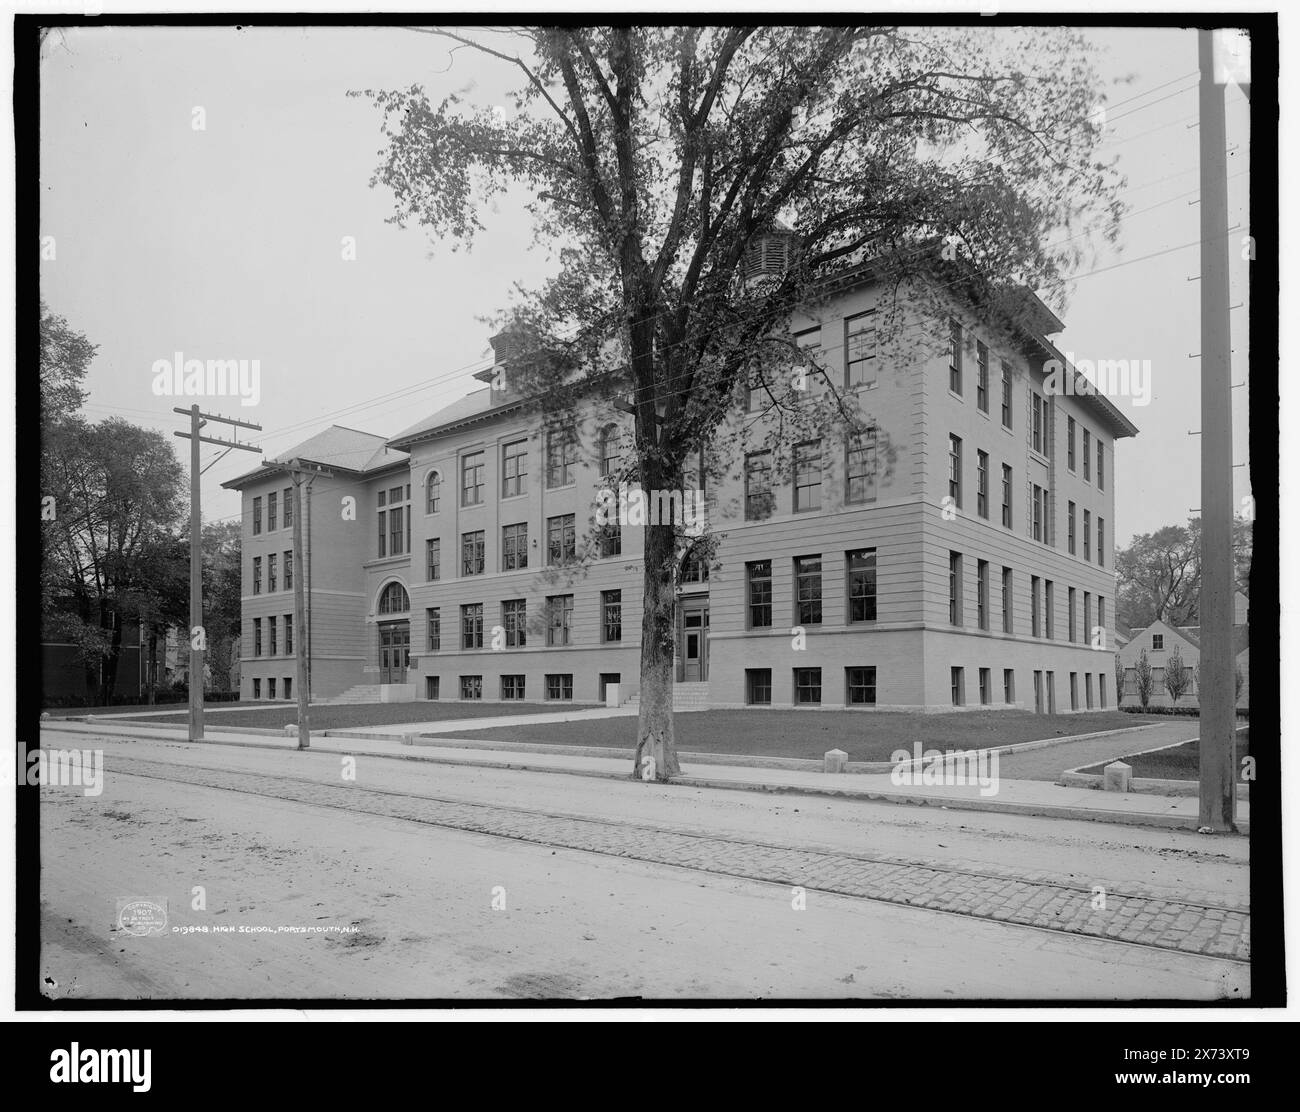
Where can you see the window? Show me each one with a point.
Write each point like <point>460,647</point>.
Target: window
<point>808,590</point>
<point>512,687</point>
<point>396,530</point>
<point>860,467</point>
<point>862,584</point>
<point>1038,500</point>
<point>1087,457</point>
<point>288,518</point>
<point>271,580</point>
<point>559,686</point>
<point>611,610</point>
<point>809,343</point>
<point>861,345</point>
<point>257,636</point>
<point>272,627</point>
<point>1034,626</point>
<point>514,547</point>
<point>432,493</point>
<point>257,516</point>
<point>561,456</point>
<point>1101,611</point>
<point>982,593</point>
<point>981,377</point>
<point>1101,542</point>
<point>954,469</point>
<point>514,469</point>
<point>958,687</point>
<point>808,476</point>
<point>694,569</point>
<point>1006,495</point>
<point>288,639</point>
<point>860,686</point>
<point>394,600</point>
<point>1007,601</point>
<point>472,467</point>
<point>611,540</point>
<point>270,688</point>
<point>1087,686</point>
<point>1158,642</point>
<point>288,571</point>
<point>1071,599</point>
<point>257,689</point>
<point>1087,614</point>
<point>1069,443</point>
<point>272,501</point>
<point>473,557</point>
<point>381,545</point>
<point>1087,535</point>
<point>758,486</point>
<point>257,575</point>
<point>433,628</point>
<point>954,357</point>
<point>1006,395</point>
<point>807,687</point>
<point>288,687</point>
<point>986,686</point>
<point>611,451</point>
<point>1008,685</point>
<point>471,687</point>
<point>431,686</point>
<point>559,609</point>
<point>758,686</point>
<point>1074,690</point>
<point>514,619</point>
<point>1048,606</point>
<point>433,559</point>
<point>1101,465</point>
<point>759,577</point>
<point>471,626</point>
<point>1101,690</point>
<point>954,588</point>
<point>1069,528</point>
<point>982,484</point>
<point>756,389</point>
<point>561,540</point>
<point>1038,423</point>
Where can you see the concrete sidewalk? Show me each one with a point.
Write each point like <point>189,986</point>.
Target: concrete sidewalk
<point>1025,797</point>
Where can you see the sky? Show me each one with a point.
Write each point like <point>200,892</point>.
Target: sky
<point>228,242</point>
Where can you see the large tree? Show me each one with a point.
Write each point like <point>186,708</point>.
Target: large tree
<point>656,159</point>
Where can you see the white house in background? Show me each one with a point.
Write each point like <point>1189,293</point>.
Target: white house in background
<point>1160,639</point>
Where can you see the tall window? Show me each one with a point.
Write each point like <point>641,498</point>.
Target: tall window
<point>1069,443</point>
<point>561,540</point>
<point>288,570</point>
<point>808,476</point>
<point>958,686</point>
<point>472,467</point>
<point>611,450</point>
<point>288,643</point>
<point>860,349</point>
<point>1038,497</point>
<point>758,486</point>
<point>1087,456</point>
<point>860,467</point>
<point>611,612</point>
<point>1035,626</point>
<point>611,540</point>
<point>954,469</point>
<point>257,516</point>
<point>433,628</point>
<point>514,547</point>
<point>861,568</point>
<point>514,468</point>
<point>471,626</point>
<point>982,484</point>
<point>1087,616</point>
<point>473,553</point>
<point>1007,601</point>
<point>514,621</point>
<point>1101,542</point>
<point>271,501</point>
<point>954,588</point>
<point>1037,415</point>
<point>981,377</point>
<point>1049,604</point>
<point>1069,528</point>
<point>433,559</point>
<point>982,593</point>
<point>288,507</point>
<point>257,575</point>
<point>394,600</point>
<point>1072,600</point>
<point>271,626</point>
<point>257,636</point>
<point>1101,464</point>
<point>1006,395</point>
<point>808,590</point>
<point>954,357</point>
<point>270,572</point>
<point>809,343</point>
<point>561,456</point>
<point>559,619</point>
<point>432,492</point>
<point>759,577</point>
<point>396,530</point>
<point>1006,495</point>
<point>1087,535</point>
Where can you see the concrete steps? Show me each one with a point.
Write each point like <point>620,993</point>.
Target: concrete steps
<point>686,696</point>
<point>361,693</point>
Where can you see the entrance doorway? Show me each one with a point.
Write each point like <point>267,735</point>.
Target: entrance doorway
<point>695,641</point>
<point>394,651</point>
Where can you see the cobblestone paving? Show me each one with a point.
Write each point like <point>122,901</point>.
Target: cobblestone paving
<point>1212,931</point>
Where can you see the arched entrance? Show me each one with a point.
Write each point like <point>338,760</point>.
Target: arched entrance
<point>394,635</point>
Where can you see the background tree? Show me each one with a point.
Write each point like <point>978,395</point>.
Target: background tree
<point>1120,673</point>
<point>658,159</point>
<point>1144,678</point>
<point>221,593</point>
<point>1178,677</point>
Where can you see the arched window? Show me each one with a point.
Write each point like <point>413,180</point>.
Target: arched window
<point>432,492</point>
<point>611,450</point>
<point>394,600</point>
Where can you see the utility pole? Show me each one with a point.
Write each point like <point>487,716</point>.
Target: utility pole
<point>299,474</point>
<point>1218,694</point>
<point>198,635</point>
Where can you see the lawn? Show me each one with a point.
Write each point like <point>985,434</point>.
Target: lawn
<point>863,735</point>
<point>359,715</point>
<point>1179,763</point>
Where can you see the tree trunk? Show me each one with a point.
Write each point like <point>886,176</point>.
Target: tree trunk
<point>656,741</point>
<point>111,661</point>
<point>151,668</point>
